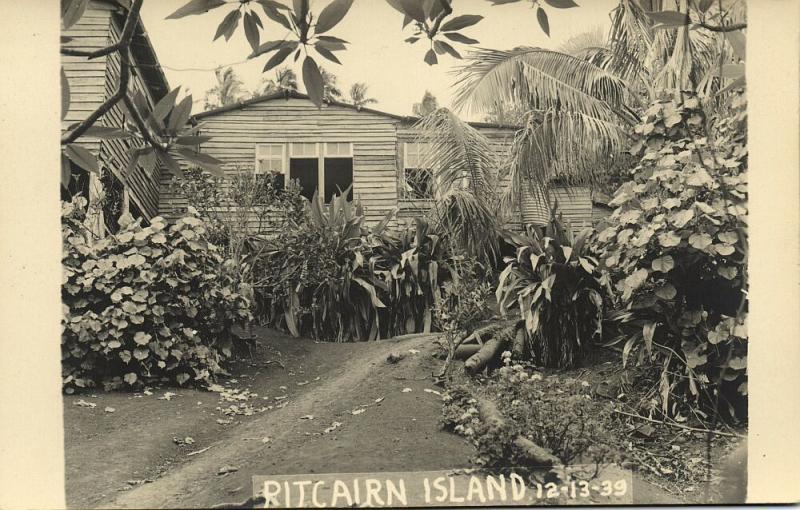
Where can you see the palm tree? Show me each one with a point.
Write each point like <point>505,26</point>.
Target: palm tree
<point>427,105</point>
<point>228,89</point>
<point>576,111</point>
<point>359,97</point>
<point>332,92</point>
<point>285,79</point>
<point>652,58</point>
<point>467,208</point>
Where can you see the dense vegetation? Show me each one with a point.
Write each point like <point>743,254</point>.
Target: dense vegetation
<point>147,305</point>
<point>664,279</point>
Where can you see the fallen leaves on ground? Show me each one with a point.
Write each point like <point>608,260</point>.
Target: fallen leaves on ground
<point>109,409</point>
<point>406,390</point>
<point>227,469</point>
<point>335,425</point>
<point>307,417</point>
<point>167,396</point>
<point>83,403</point>
<point>357,411</point>
<point>427,390</point>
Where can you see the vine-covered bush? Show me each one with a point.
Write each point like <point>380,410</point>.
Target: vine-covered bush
<point>554,282</point>
<point>148,304</point>
<point>676,247</point>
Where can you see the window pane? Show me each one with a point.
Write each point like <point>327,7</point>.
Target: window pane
<point>338,177</point>
<point>270,165</point>
<point>418,184</point>
<point>304,149</point>
<point>304,170</point>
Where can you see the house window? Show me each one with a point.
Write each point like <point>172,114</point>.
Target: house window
<point>417,178</point>
<point>338,170</point>
<point>270,158</point>
<point>327,167</point>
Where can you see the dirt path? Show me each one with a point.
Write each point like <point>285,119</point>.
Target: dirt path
<point>128,458</point>
<point>400,433</point>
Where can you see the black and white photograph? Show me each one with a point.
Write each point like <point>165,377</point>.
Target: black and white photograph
<point>405,253</point>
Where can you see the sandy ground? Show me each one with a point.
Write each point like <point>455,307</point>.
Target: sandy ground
<point>128,458</point>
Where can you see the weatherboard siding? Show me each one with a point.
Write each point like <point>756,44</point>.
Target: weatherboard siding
<point>86,78</point>
<point>143,181</point>
<point>236,133</point>
<point>91,82</point>
<point>377,155</point>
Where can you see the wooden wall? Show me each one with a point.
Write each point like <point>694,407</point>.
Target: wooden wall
<point>377,154</point>
<point>143,182</point>
<point>87,78</point>
<point>91,82</point>
<point>236,132</point>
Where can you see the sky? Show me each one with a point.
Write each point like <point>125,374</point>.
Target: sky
<point>393,70</point>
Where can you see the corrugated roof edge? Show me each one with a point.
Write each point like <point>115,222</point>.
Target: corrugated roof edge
<point>291,94</point>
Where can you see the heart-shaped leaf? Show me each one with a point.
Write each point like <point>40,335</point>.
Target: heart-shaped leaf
<point>430,58</point>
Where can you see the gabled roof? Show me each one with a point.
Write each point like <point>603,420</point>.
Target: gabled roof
<point>143,54</point>
<point>292,94</point>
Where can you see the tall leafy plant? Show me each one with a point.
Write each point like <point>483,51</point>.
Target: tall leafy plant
<point>310,281</point>
<point>556,285</point>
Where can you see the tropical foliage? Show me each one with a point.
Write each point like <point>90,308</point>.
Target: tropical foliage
<point>228,90</point>
<point>285,79</point>
<point>335,279</point>
<point>467,210</point>
<point>676,247</point>
<point>146,305</point>
<point>359,95</point>
<point>557,287</point>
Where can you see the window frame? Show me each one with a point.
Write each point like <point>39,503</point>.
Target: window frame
<point>406,166</point>
<point>283,159</point>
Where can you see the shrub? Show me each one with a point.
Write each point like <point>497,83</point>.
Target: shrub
<point>335,279</point>
<point>556,413</point>
<point>310,279</point>
<point>676,247</point>
<point>410,268</point>
<point>556,286</point>
<point>149,304</point>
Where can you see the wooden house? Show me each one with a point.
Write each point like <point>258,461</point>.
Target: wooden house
<point>91,82</point>
<point>339,145</point>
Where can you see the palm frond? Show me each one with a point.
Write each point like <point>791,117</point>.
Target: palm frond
<point>571,146</point>
<point>539,79</point>
<point>466,173</point>
<point>630,42</point>
<point>469,223</point>
<point>461,155</point>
